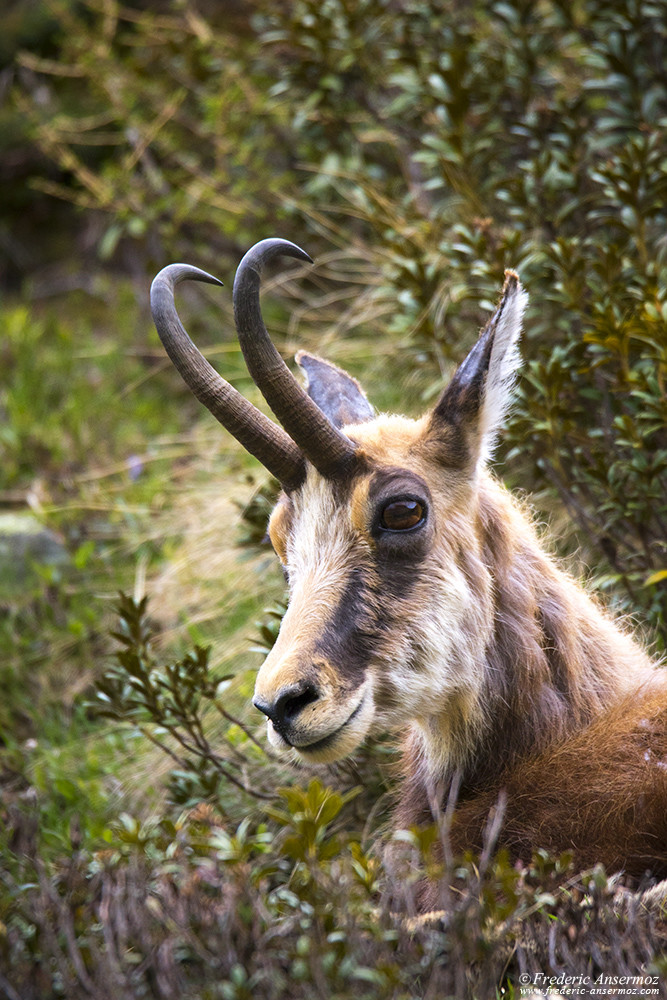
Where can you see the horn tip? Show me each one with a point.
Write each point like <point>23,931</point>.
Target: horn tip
<point>306,256</point>
<point>265,250</point>
<point>172,274</point>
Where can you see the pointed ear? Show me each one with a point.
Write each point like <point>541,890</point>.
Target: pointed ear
<point>472,408</point>
<point>336,393</point>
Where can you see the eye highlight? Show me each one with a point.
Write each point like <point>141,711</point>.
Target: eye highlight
<point>402,514</point>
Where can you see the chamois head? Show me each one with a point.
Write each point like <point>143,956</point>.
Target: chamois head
<point>376,526</point>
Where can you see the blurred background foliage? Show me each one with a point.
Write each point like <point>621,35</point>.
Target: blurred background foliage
<point>416,148</point>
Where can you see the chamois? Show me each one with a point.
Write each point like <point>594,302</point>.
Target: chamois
<point>422,600</point>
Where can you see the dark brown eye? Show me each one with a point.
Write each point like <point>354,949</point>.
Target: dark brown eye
<point>401,515</point>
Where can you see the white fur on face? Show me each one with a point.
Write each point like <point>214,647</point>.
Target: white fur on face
<point>321,552</point>
<point>436,672</point>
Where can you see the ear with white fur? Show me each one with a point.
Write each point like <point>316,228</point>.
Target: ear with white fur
<point>473,407</point>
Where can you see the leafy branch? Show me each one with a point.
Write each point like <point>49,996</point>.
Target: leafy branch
<point>168,702</point>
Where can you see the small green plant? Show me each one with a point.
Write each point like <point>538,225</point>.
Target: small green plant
<point>168,704</point>
<point>307,818</point>
<point>268,628</point>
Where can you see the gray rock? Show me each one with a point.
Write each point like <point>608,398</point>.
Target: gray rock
<point>24,545</point>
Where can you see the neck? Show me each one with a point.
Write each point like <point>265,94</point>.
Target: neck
<point>553,659</point>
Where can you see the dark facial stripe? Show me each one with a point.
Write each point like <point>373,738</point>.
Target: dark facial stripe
<point>351,635</point>
<point>376,599</point>
<point>368,614</point>
<point>399,555</point>
<point>397,575</point>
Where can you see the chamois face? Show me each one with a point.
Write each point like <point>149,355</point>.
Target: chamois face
<point>382,626</point>
<point>389,599</point>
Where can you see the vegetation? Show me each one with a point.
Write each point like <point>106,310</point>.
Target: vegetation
<point>151,846</point>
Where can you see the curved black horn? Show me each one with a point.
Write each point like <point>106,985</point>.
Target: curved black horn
<point>255,431</point>
<point>324,445</point>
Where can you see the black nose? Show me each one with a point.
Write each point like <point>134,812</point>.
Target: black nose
<point>288,704</point>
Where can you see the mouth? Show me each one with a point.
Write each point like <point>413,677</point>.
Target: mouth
<point>327,741</point>
<point>336,744</point>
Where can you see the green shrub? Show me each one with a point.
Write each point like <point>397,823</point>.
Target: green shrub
<point>198,907</point>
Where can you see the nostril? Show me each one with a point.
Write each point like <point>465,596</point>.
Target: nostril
<point>291,702</point>
<point>263,707</point>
